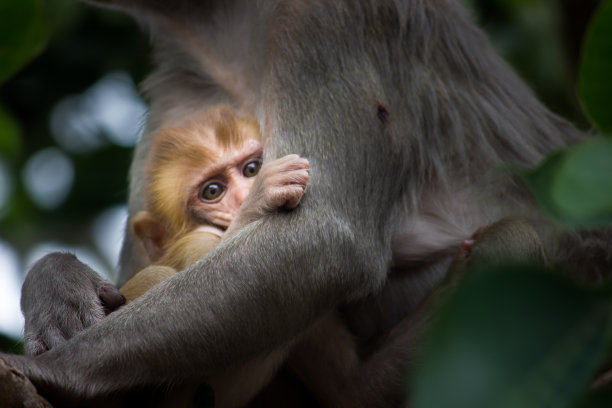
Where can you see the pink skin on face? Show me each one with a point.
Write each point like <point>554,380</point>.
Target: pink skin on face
<point>225,184</point>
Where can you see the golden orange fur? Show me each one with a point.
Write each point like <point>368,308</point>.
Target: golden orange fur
<point>178,153</point>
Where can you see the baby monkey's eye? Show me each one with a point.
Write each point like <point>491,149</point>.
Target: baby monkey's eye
<point>252,168</point>
<point>211,191</point>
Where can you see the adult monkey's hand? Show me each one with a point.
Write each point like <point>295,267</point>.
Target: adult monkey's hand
<point>60,297</point>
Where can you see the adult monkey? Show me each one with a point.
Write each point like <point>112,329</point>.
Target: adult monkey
<point>391,101</point>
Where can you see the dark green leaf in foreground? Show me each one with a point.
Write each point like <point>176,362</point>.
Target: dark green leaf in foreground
<point>575,186</point>
<point>22,34</point>
<point>595,78</point>
<point>513,338</point>
<point>601,398</point>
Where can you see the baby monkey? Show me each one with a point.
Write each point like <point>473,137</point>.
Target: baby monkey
<point>199,175</point>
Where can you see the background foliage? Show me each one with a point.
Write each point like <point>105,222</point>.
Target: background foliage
<point>63,56</point>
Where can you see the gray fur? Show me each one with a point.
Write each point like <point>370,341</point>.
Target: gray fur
<point>400,190</point>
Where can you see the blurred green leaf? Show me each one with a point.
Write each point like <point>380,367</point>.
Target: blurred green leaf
<point>10,142</point>
<point>23,33</point>
<point>10,345</point>
<point>575,185</point>
<point>595,81</point>
<point>516,337</point>
<point>601,398</point>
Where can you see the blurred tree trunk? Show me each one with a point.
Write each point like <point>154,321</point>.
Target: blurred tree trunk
<point>16,391</point>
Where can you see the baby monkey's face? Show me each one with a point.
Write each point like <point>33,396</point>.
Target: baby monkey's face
<point>225,182</point>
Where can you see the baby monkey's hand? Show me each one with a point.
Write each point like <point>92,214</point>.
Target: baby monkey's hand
<point>280,184</point>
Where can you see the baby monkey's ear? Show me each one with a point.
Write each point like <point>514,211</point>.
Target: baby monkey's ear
<point>152,233</point>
